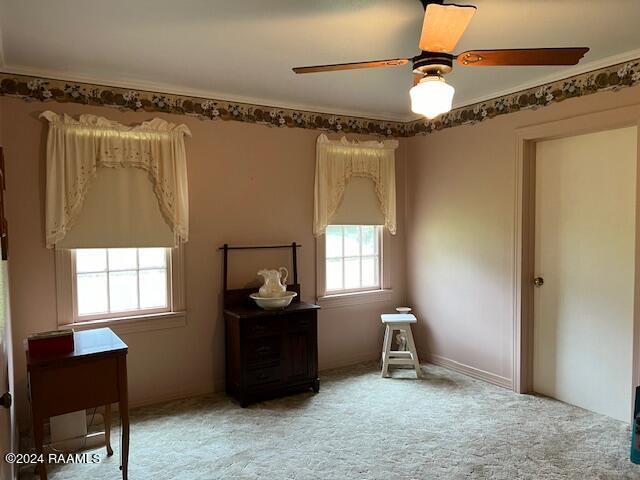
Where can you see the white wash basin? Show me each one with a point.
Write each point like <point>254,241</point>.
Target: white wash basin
<point>277,302</point>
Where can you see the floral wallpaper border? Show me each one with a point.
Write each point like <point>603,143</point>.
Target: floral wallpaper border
<point>42,89</point>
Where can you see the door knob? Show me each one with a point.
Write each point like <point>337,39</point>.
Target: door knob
<point>5,400</point>
<point>538,281</point>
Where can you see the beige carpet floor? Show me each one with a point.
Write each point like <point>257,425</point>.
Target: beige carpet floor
<point>445,426</point>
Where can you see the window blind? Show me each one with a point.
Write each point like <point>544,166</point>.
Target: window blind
<point>359,205</point>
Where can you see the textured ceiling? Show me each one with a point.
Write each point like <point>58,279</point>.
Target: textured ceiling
<point>243,50</point>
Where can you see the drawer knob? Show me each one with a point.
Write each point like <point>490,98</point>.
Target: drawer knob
<point>6,400</point>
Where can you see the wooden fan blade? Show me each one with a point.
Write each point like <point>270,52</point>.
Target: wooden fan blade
<point>524,56</point>
<point>394,62</point>
<point>444,25</point>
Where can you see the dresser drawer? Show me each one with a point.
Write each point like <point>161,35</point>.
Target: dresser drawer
<point>263,351</point>
<point>301,322</point>
<point>260,327</point>
<point>262,376</point>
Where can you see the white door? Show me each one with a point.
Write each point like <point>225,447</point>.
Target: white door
<point>7,410</point>
<point>7,416</point>
<point>585,252</point>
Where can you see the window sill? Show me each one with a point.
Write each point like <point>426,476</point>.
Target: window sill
<point>133,324</point>
<point>355,298</point>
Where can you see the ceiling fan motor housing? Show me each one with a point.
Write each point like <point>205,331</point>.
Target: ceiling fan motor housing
<point>432,63</point>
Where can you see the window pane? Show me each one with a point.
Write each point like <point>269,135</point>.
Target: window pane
<point>122,259</point>
<point>92,293</point>
<point>352,273</point>
<point>369,240</point>
<point>334,274</point>
<point>123,290</point>
<point>351,240</point>
<point>334,241</point>
<point>153,288</point>
<point>91,260</point>
<point>370,272</point>
<point>152,257</point>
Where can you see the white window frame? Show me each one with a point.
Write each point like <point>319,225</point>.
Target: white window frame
<point>77,318</point>
<point>138,320</point>
<point>341,291</point>
<point>342,298</point>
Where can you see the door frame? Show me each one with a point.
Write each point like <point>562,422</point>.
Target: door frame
<point>524,234</point>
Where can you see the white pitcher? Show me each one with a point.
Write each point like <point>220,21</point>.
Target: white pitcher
<point>275,282</point>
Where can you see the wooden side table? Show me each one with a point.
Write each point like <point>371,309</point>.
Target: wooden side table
<point>93,375</point>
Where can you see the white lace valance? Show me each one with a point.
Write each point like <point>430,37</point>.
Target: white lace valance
<point>77,148</point>
<point>339,160</point>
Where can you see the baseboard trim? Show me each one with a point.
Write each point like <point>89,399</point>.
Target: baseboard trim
<point>219,386</point>
<point>176,395</point>
<point>441,361</point>
<point>350,360</point>
<point>476,373</point>
<point>330,365</point>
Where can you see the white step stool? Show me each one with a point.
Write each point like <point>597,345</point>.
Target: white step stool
<point>402,322</point>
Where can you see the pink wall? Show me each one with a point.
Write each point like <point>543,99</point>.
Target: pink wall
<point>252,184</point>
<point>460,234</point>
<point>249,184</point>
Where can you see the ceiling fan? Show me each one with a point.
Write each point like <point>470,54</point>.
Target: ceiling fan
<point>442,28</point>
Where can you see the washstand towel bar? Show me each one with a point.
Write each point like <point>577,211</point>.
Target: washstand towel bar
<point>294,252</point>
<point>258,247</point>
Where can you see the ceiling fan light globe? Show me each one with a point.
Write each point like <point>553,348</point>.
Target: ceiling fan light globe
<point>431,97</point>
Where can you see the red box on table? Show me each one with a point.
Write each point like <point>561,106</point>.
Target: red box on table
<point>50,343</point>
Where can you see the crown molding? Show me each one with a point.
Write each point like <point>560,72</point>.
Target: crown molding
<point>166,88</point>
<point>592,77</point>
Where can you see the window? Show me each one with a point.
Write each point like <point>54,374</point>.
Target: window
<point>353,259</point>
<point>115,282</point>
<point>127,289</point>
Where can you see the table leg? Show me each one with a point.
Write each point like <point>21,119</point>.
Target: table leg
<point>414,353</point>
<point>38,437</point>
<point>124,414</point>
<point>388,338</point>
<point>384,344</point>
<point>107,429</point>
<point>125,441</point>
